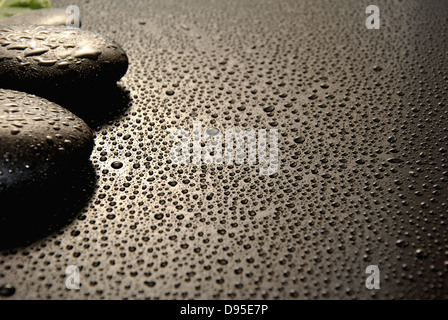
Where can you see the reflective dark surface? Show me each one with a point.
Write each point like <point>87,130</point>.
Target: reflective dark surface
<point>362,178</point>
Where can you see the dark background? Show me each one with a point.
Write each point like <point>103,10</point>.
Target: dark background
<point>362,117</point>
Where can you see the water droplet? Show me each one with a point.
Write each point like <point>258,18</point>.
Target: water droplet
<point>117,165</point>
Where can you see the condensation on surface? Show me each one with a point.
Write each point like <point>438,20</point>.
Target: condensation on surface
<point>362,121</point>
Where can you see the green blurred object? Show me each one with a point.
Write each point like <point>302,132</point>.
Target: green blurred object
<point>9,8</point>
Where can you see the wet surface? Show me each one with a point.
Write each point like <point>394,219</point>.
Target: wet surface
<point>362,177</point>
<point>54,56</point>
<point>38,139</point>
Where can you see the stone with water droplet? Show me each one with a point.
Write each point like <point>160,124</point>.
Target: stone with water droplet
<point>37,138</point>
<point>54,56</point>
<point>53,17</point>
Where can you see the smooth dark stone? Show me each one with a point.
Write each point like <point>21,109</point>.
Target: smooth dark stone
<point>53,17</point>
<point>50,56</point>
<point>38,138</point>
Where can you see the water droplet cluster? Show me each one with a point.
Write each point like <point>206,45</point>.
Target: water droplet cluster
<point>36,137</point>
<point>55,56</point>
<point>362,179</point>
